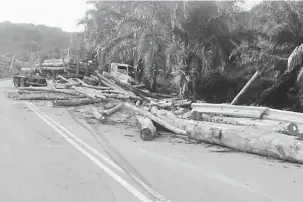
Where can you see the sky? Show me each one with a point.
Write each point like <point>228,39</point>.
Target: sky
<point>54,13</point>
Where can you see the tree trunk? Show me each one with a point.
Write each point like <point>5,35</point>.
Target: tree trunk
<point>41,97</point>
<point>263,142</point>
<point>227,122</point>
<point>48,90</point>
<point>76,102</point>
<point>146,127</point>
<point>110,84</point>
<point>138,92</point>
<point>252,141</point>
<point>156,119</point>
<point>108,112</point>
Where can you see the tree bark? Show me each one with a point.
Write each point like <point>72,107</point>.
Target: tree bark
<point>45,97</point>
<point>245,139</point>
<point>108,112</point>
<point>156,119</point>
<point>110,84</point>
<point>251,141</point>
<point>76,102</point>
<point>47,90</point>
<point>228,122</point>
<point>146,127</point>
<point>138,92</point>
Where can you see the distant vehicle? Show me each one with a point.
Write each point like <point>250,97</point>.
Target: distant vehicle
<point>124,72</point>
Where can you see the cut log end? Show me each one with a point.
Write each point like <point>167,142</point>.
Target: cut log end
<point>146,134</point>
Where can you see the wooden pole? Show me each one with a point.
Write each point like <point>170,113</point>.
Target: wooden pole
<point>244,89</point>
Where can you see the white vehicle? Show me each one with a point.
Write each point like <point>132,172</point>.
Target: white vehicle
<point>124,72</point>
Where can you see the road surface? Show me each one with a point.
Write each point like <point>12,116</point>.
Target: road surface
<point>48,155</point>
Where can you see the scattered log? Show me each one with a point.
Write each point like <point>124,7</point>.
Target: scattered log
<point>49,68</point>
<point>162,95</point>
<point>45,97</point>
<point>83,92</point>
<point>108,112</point>
<point>119,96</point>
<point>90,79</point>
<point>76,102</point>
<point>50,84</point>
<point>138,92</point>
<point>47,90</point>
<point>146,127</point>
<point>96,113</point>
<point>110,84</point>
<point>227,122</point>
<point>254,141</point>
<point>174,103</point>
<point>156,119</point>
<point>246,87</point>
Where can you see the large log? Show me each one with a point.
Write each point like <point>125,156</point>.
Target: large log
<point>93,87</point>
<point>228,122</point>
<point>48,90</point>
<point>156,119</point>
<point>57,68</point>
<point>138,92</point>
<point>45,97</point>
<point>110,84</point>
<point>246,139</point>
<point>146,127</point>
<point>76,102</point>
<point>117,96</point>
<point>253,141</point>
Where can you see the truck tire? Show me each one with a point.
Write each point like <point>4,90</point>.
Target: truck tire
<point>16,82</point>
<point>22,82</point>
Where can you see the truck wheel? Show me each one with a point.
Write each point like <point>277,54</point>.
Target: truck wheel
<point>22,82</point>
<point>16,82</point>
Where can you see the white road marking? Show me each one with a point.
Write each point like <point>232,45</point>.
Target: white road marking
<point>111,173</point>
<point>107,160</point>
<point>148,188</point>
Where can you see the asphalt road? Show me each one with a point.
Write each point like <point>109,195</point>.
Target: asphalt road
<point>47,155</point>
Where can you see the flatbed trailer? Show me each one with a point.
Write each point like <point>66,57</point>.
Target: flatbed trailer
<point>32,80</point>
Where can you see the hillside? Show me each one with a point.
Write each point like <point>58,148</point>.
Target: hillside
<point>24,40</point>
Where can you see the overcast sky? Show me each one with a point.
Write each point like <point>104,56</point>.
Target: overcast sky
<point>56,13</point>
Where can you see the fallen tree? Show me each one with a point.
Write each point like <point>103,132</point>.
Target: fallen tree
<point>156,119</point>
<point>146,127</point>
<point>46,97</point>
<point>77,102</point>
<point>47,90</point>
<point>138,92</point>
<point>108,112</point>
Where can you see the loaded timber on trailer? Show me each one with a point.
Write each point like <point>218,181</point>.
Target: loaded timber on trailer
<point>74,64</point>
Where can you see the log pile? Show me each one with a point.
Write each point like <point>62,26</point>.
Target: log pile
<point>258,130</point>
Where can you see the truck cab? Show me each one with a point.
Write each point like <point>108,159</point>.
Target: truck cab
<point>124,72</point>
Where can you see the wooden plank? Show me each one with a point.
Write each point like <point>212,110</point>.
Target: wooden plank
<point>230,110</point>
<point>279,115</point>
<point>249,112</point>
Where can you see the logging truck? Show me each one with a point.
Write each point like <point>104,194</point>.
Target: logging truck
<point>27,76</point>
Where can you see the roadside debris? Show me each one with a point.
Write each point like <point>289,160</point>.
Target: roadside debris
<point>258,130</point>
